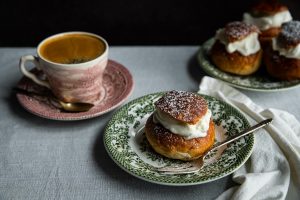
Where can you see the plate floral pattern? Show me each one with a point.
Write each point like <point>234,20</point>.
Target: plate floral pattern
<point>129,148</point>
<point>259,81</point>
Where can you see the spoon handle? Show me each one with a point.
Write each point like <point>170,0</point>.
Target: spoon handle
<point>243,133</point>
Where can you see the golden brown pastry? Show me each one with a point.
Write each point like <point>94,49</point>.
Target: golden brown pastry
<point>181,127</point>
<point>282,58</point>
<point>268,16</point>
<point>237,49</point>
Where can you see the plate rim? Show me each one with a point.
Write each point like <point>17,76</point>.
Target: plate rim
<point>201,56</point>
<point>230,170</point>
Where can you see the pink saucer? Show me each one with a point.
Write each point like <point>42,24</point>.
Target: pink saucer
<point>117,86</point>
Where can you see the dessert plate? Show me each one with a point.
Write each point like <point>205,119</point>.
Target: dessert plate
<point>117,86</point>
<point>259,81</point>
<point>130,149</point>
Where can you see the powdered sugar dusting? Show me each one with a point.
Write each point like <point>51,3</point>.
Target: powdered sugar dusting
<point>184,106</point>
<point>237,30</point>
<point>290,34</point>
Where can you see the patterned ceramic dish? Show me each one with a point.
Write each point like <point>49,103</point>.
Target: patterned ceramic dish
<point>131,151</point>
<point>259,81</point>
<point>117,86</point>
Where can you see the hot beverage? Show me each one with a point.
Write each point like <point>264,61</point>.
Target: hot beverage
<point>72,48</point>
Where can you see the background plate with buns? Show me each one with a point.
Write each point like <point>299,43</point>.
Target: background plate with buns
<point>259,81</point>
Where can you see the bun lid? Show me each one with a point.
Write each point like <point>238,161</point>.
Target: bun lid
<point>235,31</point>
<point>289,35</point>
<point>186,107</point>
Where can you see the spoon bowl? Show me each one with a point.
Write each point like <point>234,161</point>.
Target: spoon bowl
<point>75,107</point>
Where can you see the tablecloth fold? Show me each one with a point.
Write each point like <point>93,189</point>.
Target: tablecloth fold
<point>273,169</point>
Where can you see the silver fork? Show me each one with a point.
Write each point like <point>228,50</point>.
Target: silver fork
<point>196,165</point>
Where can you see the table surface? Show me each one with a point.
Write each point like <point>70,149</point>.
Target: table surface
<point>46,159</point>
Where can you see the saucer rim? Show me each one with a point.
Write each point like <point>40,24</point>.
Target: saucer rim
<point>129,87</point>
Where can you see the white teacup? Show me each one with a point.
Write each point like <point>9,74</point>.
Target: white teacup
<point>73,62</point>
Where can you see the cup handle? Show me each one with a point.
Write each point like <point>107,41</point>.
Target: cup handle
<point>30,75</point>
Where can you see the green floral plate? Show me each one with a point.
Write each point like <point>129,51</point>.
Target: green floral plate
<point>259,81</point>
<point>131,151</point>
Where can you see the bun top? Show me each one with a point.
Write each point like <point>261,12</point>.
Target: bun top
<point>235,31</point>
<point>186,107</point>
<point>289,35</point>
<point>267,8</point>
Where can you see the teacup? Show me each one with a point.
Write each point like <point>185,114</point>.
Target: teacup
<point>73,63</point>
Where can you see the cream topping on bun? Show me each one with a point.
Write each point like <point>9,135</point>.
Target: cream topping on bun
<point>288,41</point>
<point>239,36</point>
<point>267,22</point>
<point>189,131</point>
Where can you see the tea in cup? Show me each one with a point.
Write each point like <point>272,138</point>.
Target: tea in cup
<point>73,63</point>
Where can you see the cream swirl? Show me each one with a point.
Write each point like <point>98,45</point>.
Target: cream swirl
<point>292,52</point>
<point>188,131</point>
<point>266,22</point>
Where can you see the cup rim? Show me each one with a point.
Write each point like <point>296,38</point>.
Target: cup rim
<point>70,33</point>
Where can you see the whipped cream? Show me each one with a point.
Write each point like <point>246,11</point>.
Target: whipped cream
<point>188,131</point>
<point>247,46</point>
<point>264,23</point>
<point>293,52</point>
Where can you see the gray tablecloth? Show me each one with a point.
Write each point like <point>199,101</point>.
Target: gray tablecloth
<point>45,159</point>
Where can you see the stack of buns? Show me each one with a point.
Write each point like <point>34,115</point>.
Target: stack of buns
<point>282,58</point>
<point>267,33</point>
<point>181,126</point>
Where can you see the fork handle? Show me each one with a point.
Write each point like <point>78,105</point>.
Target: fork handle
<point>243,133</point>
